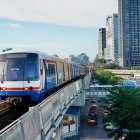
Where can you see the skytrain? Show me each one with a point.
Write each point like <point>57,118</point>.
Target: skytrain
<point>32,74</point>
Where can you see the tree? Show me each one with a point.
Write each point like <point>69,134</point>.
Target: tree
<point>101,61</point>
<point>106,77</point>
<point>111,66</point>
<point>124,107</point>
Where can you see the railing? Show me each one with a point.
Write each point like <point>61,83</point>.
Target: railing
<point>42,119</point>
<point>98,91</point>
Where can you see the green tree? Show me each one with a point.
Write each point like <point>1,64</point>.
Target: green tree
<point>111,66</point>
<point>106,78</point>
<point>124,107</point>
<point>101,61</point>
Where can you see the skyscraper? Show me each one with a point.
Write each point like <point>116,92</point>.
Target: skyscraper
<point>82,58</point>
<point>129,32</point>
<point>111,51</point>
<point>101,42</point>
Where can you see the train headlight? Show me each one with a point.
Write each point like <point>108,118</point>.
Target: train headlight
<point>26,88</point>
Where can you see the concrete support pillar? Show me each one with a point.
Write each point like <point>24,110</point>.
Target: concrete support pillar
<point>80,101</point>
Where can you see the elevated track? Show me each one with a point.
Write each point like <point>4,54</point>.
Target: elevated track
<point>9,113</point>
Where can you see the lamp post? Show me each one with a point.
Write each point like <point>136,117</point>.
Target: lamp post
<point>126,132</point>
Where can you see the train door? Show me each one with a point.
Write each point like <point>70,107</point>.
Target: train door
<point>31,76</point>
<point>73,70</point>
<point>50,75</point>
<point>42,75</point>
<point>60,72</point>
<point>3,65</point>
<point>70,71</point>
<point>66,72</point>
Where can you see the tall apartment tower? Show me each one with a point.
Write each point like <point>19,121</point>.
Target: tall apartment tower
<point>111,50</point>
<point>129,32</point>
<point>101,42</point>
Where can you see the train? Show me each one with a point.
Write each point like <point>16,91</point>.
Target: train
<point>33,74</point>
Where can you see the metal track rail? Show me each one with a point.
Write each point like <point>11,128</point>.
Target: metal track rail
<point>9,112</point>
<point>4,106</point>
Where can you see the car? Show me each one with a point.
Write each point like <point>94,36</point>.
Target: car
<point>92,119</point>
<point>108,126</point>
<point>93,101</point>
<point>94,82</point>
<point>105,116</point>
<point>105,113</point>
<point>93,109</point>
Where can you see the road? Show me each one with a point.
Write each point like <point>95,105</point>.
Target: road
<point>91,132</point>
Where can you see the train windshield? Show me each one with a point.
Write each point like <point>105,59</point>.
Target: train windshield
<point>15,70</point>
<point>31,70</point>
<point>22,70</point>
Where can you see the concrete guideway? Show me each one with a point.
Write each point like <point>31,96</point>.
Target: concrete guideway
<point>42,120</point>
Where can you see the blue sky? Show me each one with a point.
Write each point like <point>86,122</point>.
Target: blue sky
<point>51,27</point>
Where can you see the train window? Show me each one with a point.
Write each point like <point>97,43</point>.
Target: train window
<point>2,70</point>
<point>31,71</point>
<point>66,68</point>
<point>20,55</point>
<point>15,70</point>
<point>60,67</point>
<point>51,69</point>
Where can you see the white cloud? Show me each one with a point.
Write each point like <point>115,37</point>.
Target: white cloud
<point>14,25</point>
<point>84,13</point>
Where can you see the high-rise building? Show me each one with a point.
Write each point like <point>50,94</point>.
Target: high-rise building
<point>111,50</point>
<point>101,42</point>
<point>129,32</point>
<point>82,58</point>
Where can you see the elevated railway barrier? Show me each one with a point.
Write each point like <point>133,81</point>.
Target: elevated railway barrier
<point>41,121</point>
<point>99,91</point>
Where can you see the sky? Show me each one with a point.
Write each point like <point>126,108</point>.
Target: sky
<point>61,27</point>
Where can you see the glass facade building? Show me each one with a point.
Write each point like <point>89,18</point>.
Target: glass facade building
<point>115,37</point>
<point>82,58</point>
<point>111,51</point>
<point>101,42</point>
<point>129,32</point>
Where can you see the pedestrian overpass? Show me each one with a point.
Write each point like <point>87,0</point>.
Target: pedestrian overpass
<point>44,121</point>
<point>99,91</point>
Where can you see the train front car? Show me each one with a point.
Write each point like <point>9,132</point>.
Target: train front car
<point>20,76</point>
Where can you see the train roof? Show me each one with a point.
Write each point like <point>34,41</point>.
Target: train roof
<point>41,55</point>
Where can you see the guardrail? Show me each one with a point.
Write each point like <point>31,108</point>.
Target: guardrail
<point>98,91</point>
<point>42,119</point>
